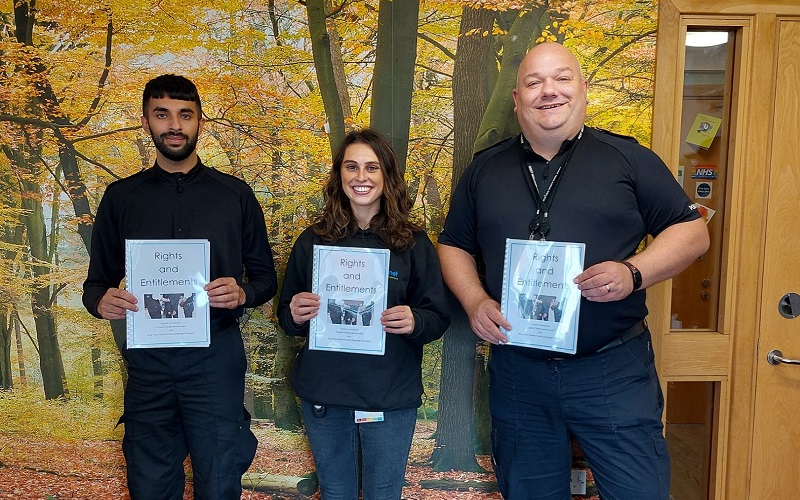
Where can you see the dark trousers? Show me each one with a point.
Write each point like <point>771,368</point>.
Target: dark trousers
<point>181,401</point>
<point>337,442</point>
<point>610,402</point>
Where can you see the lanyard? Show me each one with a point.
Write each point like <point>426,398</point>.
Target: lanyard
<point>539,223</point>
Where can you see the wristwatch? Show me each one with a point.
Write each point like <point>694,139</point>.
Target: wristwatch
<point>637,275</point>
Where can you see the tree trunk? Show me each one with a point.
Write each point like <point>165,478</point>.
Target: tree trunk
<point>393,76</point>
<point>284,399</point>
<point>339,75</point>
<point>23,375</point>
<point>455,431</point>
<point>6,380</point>
<point>12,235</point>
<point>119,332</point>
<point>50,361</point>
<point>481,415</point>
<point>499,122</point>
<point>323,65</point>
<point>454,448</point>
<point>272,483</point>
<point>49,105</point>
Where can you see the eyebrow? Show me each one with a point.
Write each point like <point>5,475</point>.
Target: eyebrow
<point>182,110</point>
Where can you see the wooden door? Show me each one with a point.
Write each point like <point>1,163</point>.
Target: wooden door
<point>775,469</point>
<point>754,419</point>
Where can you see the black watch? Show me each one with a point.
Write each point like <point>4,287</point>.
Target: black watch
<point>637,275</point>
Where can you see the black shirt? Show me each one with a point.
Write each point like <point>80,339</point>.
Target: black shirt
<point>204,204</point>
<point>613,192</point>
<point>364,381</point>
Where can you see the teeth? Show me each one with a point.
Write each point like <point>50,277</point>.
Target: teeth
<point>361,189</point>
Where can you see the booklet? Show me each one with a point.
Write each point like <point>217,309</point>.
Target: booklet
<point>539,298</point>
<point>168,276</point>
<point>351,283</point>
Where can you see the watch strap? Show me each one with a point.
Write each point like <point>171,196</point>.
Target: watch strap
<point>635,273</point>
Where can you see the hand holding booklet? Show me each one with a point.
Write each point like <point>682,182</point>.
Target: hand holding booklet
<point>539,299</point>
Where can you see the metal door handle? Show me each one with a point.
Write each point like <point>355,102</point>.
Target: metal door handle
<point>776,357</point>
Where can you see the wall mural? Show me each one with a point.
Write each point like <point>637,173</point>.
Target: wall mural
<point>281,82</point>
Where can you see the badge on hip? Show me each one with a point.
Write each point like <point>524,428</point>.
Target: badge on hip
<point>363,417</point>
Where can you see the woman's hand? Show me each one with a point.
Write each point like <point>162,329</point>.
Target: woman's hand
<point>304,306</point>
<point>398,320</point>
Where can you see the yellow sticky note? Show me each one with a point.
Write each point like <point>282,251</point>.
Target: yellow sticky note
<point>703,130</point>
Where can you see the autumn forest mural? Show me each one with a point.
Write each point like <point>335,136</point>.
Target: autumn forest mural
<point>282,81</point>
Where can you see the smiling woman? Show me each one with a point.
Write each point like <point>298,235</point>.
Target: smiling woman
<point>362,182</point>
<point>355,404</point>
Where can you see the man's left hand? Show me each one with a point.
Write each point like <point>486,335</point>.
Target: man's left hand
<point>225,293</point>
<point>605,282</point>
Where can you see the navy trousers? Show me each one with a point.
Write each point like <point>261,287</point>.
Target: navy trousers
<point>181,401</point>
<point>611,402</point>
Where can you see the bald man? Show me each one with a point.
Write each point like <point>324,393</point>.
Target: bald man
<point>564,181</point>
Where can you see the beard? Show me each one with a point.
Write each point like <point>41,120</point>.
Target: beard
<point>174,153</point>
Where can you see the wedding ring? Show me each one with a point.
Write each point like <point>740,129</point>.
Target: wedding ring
<point>608,288</point>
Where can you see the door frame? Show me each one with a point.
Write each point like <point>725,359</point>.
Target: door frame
<point>727,356</point>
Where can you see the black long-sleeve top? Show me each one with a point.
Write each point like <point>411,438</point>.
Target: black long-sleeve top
<point>200,204</point>
<point>364,381</point>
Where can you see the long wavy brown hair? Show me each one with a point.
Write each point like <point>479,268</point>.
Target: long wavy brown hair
<point>391,224</point>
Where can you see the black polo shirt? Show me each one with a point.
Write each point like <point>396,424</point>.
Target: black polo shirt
<point>612,193</point>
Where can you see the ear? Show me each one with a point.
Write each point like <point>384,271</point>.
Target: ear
<point>145,124</point>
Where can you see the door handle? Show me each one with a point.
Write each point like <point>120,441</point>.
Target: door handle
<point>775,357</point>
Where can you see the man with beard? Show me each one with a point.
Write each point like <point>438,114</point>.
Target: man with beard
<point>183,401</point>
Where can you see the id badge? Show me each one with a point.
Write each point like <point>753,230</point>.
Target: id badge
<point>362,417</point>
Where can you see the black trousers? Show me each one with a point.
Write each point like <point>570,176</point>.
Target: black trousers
<point>187,401</point>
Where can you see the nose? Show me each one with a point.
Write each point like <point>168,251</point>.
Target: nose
<point>175,123</point>
<point>362,174</point>
<point>549,87</point>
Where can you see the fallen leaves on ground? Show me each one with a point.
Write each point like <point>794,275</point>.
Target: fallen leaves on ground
<point>31,469</point>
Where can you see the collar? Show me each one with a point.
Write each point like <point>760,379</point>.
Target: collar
<point>174,177</point>
<point>565,146</point>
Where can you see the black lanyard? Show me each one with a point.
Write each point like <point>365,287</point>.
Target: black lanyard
<point>539,223</point>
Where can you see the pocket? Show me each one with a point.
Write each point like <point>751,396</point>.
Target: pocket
<point>662,464</point>
<point>641,348</point>
<point>247,443</point>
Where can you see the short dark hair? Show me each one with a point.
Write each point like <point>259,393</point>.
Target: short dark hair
<point>172,86</point>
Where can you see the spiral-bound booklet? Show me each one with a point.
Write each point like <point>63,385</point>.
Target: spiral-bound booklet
<point>539,298</point>
<point>168,276</point>
<point>351,283</point>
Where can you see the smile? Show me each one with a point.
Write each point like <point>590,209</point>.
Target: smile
<point>551,106</point>
<point>174,137</point>
<point>362,189</point>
